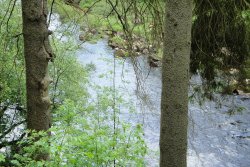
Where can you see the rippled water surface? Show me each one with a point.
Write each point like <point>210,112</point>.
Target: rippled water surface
<point>217,137</point>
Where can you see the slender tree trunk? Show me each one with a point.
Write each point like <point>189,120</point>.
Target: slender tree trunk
<point>175,78</point>
<point>37,53</point>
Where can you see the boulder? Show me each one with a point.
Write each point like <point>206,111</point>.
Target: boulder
<point>145,51</point>
<point>153,64</point>
<point>153,61</point>
<point>93,31</point>
<point>82,37</point>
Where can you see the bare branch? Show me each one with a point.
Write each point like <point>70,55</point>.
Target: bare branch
<point>11,12</point>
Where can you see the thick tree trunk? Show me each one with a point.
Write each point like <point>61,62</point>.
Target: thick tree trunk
<point>175,78</point>
<point>37,55</point>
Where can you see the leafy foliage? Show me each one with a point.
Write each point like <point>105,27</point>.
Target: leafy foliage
<point>69,76</point>
<point>83,135</point>
<point>219,39</point>
<point>83,132</point>
<point>12,81</point>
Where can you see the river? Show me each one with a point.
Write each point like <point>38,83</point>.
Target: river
<point>215,137</point>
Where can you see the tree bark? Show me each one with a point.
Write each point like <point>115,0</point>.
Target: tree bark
<point>37,53</point>
<point>175,78</point>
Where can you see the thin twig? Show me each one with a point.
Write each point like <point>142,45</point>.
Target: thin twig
<point>11,12</point>
<point>51,11</point>
<point>6,13</point>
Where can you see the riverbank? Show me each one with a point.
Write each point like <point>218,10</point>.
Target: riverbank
<point>93,25</point>
<point>218,131</point>
<point>132,38</point>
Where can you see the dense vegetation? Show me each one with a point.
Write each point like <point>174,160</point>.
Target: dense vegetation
<point>220,42</point>
<point>86,129</point>
<point>83,125</point>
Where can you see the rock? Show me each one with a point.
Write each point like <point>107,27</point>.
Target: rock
<point>93,31</point>
<point>152,58</point>
<point>119,53</point>
<point>235,92</point>
<point>153,61</point>
<point>151,49</point>
<point>110,32</point>
<point>153,64</point>
<point>112,44</point>
<point>136,48</point>
<point>82,37</point>
<point>145,51</point>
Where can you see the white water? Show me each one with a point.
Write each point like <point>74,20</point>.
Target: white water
<point>216,139</point>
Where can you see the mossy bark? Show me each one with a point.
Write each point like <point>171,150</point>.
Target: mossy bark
<point>37,53</point>
<point>175,79</point>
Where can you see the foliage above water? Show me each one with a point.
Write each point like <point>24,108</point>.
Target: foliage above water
<point>83,132</point>
<point>88,130</point>
<point>220,35</point>
<point>220,39</point>
<point>83,135</point>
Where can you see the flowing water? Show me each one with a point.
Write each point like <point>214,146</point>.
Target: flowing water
<point>219,132</point>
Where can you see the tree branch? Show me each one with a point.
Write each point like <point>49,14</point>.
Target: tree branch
<point>12,9</point>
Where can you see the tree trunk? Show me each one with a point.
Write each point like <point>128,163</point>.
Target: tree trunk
<point>175,78</point>
<point>37,53</point>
